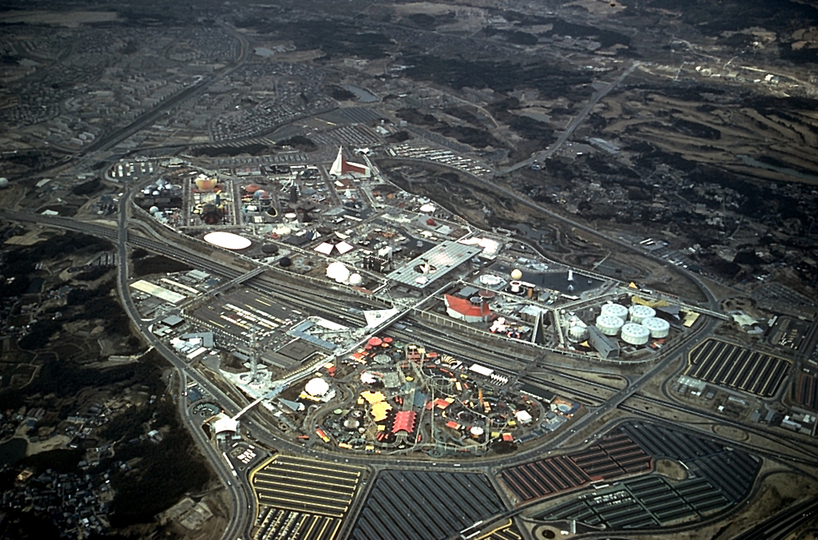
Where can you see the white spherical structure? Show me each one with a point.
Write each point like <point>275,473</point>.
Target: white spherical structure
<point>154,210</point>
<point>639,313</point>
<point>338,271</point>
<point>635,334</point>
<point>477,432</point>
<point>355,279</point>
<point>659,328</point>
<point>615,310</point>
<point>516,274</point>
<point>428,208</point>
<point>317,387</point>
<point>609,324</point>
<point>4,183</point>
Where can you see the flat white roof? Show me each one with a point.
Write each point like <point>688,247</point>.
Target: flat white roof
<point>481,370</point>
<point>157,291</point>
<point>198,352</point>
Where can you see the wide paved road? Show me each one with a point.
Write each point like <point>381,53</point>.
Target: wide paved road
<point>239,518</point>
<point>578,119</point>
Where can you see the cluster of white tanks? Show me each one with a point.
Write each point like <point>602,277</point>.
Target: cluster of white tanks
<point>642,326</point>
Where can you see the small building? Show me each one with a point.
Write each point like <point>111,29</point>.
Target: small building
<point>481,370</point>
<point>523,417</point>
<point>404,421</point>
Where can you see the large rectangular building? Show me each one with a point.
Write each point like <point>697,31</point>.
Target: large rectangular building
<point>433,265</point>
<point>605,346</point>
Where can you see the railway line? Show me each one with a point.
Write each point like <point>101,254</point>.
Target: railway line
<point>525,366</point>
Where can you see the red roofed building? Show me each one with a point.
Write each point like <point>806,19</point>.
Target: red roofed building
<point>466,310</point>
<point>441,403</point>
<point>404,421</point>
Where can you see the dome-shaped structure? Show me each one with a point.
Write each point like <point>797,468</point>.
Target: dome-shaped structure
<point>252,188</point>
<point>428,208</point>
<point>639,313</point>
<point>355,279</point>
<point>317,387</point>
<point>154,210</point>
<point>4,183</point>
<point>338,271</point>
<point>477,432</point>
<point>285,262</point>
<point>609,324</point>
<point>227,240</point>
<point>261,194</point>
<point>516,274</point>
<point>577,332</point>
<point>659,328</point>
<point>635,334</point>
<point>269,249</point>
<point>616,310</point>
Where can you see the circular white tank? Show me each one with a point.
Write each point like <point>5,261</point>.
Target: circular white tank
<point>477,432</point>
<point>516,286</point>
<point>658,328</point>
<point>639,313</point>
<point>577,332</point>
<point>609,324</point>
<point>616,310</point>
<point>635,334</point>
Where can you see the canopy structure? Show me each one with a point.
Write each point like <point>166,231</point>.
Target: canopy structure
<point>404,421</point>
